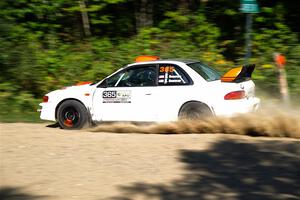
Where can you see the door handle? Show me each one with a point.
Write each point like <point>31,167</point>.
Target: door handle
<point>148,94</point>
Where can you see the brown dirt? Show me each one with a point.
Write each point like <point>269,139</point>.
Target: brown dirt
<point>38,162</point>
<point>264,123</point>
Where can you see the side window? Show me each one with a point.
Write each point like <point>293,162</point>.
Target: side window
<point>170,74</point>
<point>111,81</point>
<point>134,77</point>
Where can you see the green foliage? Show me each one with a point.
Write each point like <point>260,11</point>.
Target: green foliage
<point>43,47</point>
<point>275,36</point>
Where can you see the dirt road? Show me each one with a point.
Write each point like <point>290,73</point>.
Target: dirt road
<point>38,162</point>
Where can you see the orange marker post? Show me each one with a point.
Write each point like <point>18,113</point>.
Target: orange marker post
<point>280,61</point>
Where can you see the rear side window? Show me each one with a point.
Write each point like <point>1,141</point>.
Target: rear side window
<point>170,74</point>
<point>205,71</point>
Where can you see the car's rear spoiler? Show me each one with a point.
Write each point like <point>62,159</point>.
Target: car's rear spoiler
<point>238,74</point>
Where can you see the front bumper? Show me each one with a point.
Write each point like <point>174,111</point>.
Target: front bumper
<point>47,111</point>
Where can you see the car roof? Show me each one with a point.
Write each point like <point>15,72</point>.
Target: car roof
<point>186,61</point>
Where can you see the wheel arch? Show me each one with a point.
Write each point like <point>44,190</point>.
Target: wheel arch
<point>62,101</point>
<point>199,102</point>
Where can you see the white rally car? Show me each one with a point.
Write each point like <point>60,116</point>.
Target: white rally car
<point>153,90</point>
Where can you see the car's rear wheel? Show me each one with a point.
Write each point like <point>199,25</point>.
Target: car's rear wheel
<point>72,114</point>
<point>194,111</point>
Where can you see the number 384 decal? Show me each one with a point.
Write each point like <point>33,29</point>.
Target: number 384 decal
<point>109,94</point>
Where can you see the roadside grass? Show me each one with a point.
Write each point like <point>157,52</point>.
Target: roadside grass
<point>19,109</point>
<point>12,117</point>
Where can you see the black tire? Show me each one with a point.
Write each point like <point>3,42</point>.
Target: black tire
<point>194,111</point>
<point>72,115</point>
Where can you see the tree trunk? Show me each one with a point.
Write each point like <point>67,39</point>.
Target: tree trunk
<point>183,6</point>
<point>85,18</point>
<point>144,14</point>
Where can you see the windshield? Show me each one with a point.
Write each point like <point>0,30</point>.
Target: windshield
<point>205,71</point>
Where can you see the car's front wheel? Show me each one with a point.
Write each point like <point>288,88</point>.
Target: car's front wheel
<point>71,114</point>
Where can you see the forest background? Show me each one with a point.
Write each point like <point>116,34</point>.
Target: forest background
<point>48,44</point>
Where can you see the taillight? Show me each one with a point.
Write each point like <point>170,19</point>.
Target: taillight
<point>45,99</point>
<point>235,95</point>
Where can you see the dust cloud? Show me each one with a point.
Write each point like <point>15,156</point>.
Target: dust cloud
<point>272,121</point>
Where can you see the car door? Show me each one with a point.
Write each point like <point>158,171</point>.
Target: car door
<point>127,95</point>
<point>175,87</point>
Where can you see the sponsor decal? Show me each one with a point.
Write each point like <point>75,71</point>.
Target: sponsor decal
<point>115,96</point>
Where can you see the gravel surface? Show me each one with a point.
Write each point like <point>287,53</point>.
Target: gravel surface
<point>39,162</point>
